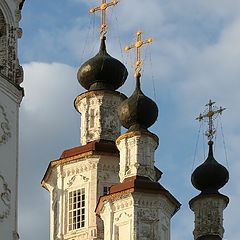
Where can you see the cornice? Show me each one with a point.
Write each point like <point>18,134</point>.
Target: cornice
<point>101,93</point>
<point>137,133</point>
<point>95,148</point>
<point>136,184</point>
<point>213,196</point>
<point>94,93</point>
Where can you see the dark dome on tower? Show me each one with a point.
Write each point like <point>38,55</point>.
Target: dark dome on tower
<point>138,112</point>
<point>102,72</point>
<point>210,176</point>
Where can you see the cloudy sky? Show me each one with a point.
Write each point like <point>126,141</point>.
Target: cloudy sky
<point>195,56</point>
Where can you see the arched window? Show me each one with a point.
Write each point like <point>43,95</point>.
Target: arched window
<point>3,43</point>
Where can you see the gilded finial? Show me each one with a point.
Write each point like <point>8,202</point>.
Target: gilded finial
<point>103,7</point>
<point>210,114</point>
<point>138,45</point>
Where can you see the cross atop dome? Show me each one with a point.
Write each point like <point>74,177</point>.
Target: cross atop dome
<point>210,115</point>
<point>138,45</point>
<point>103,7</point>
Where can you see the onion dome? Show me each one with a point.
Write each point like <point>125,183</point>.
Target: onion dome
<point>102,72</point>
<point>210,176</point>
<point>138,112</point>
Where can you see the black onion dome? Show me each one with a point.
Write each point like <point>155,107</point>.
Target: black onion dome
<point>211,175</point>
<point>138,112</point>
<point>102,72</point>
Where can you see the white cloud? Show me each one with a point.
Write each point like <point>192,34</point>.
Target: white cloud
<point>195,57</point>
<point>48,125</point>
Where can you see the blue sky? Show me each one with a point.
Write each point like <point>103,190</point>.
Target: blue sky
<point>195,56</point>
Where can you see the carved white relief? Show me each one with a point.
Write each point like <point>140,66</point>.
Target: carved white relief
<point>208,217</point>
<point>108,167</point>
<point>5,133</point>
<point>73,179</point>
<point>104,176</point>
<point>148,215</point>
<point>108,119</point>
<point>9,64</point>
<point>124,214</point>
<point>99,119</point>
<point>5,198</point>
<point>148,221</point>
<point>122,203</point>
<point>78,169</point>
<point>160,203</point>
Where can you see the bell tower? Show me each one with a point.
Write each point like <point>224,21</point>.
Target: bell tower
<point>82,174</point>
<point>11,94</point>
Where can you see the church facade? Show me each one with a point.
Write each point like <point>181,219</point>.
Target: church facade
<point>11,94</point>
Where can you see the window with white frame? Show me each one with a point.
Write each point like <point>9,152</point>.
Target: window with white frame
<point>76,209</point>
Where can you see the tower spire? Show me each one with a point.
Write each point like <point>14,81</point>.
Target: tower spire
<point>138,45</point>
<point>103,7</point>
<point>210,115</point>
<point>209,177</point>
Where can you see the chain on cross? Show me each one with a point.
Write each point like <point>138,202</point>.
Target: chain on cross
<point>137,45</point>
<point>103,8</point>
<point>210,114</point>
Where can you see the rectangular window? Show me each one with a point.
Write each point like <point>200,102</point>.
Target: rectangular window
<point>106,190</point>
<point>76,209</point>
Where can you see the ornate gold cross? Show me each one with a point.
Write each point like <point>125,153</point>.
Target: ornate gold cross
<point>137,45</point>
<point>210,114</point>
<point>103,7</point>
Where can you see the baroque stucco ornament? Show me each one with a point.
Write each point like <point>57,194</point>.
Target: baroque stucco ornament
<point>5,133</point>
<point>9,63</point>
<point>5,197</point>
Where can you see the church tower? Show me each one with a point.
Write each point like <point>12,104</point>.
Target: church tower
<point>11,94</point>
<point>82,174</point>
<point>208,178</point>
<point>139,207</point>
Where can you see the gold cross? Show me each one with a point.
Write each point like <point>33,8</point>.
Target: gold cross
<point>209,115</point>
<point>137,45</point>
<point>103,7</point>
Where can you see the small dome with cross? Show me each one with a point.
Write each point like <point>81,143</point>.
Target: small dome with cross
<point>102,72</point>
<point>210,176</point>
<point>138,112</point>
